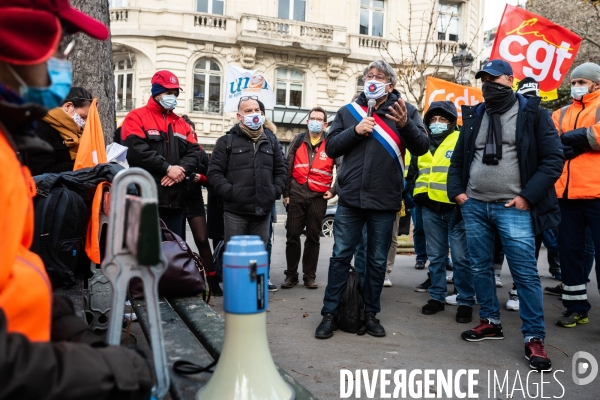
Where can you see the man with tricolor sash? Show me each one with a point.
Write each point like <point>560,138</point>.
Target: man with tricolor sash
<point>370,187</point>
<point>439,213</point>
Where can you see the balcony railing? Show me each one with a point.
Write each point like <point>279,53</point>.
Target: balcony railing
<point>118,15</point>
<point>124,105</point>
<point>206,107</point>
<point>211,21</point>
<point>271,27</point>
<point>372,42</point>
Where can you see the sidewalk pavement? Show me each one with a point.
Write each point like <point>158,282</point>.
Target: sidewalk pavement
<point>416,341</point>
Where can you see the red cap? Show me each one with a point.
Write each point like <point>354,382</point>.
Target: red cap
<point>31,29</point>
<point>166,79</point>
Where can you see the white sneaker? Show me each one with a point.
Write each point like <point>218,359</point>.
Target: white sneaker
<point>498,281</point>
<point>450,277</point>
<point>513,301</point>
<point>271,287</point>
<point>387,282</point>
<point>451,300</point>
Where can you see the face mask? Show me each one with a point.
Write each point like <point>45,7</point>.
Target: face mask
<point>78,120</point>
<point>253,121</point>
<point>61,79</point>
<point>315,126</point>
<point>577,92</point>
<point>438,127</point>
<point>375,89</point>
<point>168,101</point>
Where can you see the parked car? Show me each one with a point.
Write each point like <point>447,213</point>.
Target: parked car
<point>327,224</point>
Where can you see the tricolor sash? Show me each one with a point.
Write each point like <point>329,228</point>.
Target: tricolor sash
<point>383,134</point>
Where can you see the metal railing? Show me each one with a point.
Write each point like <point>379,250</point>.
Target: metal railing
<point>206,107</point>
<point>124,105</point>
<point>211,21</point>
<point>372,42</point>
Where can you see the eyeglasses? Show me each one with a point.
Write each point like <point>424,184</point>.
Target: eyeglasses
<point>378,77</point>
<point>66,47</point>
<point>244,98</point>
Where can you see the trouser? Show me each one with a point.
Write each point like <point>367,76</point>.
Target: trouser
<point>483,221</point>
<point>391,257</point>
<point>441,232</point>
<point>576,215</point>
<point>360,256</point>
<point>418,233</point>
<point>347,228</point>
<point>304,213</point>
<point>237,224</point>
<point>173,218</point>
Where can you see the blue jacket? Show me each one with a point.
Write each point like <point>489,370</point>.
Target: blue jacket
<point>539,152</point>
<point>369,178</point>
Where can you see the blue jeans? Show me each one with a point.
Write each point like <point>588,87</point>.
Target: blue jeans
<point>360,256</point>
<point>418,233</point>
<point>439,231</point>
<point>515,229</point>
<point>347,228</point>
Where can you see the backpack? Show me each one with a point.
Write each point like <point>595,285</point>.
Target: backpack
<point>60,223</point>
<point>352,308</point>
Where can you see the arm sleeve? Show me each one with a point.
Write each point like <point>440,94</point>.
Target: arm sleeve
<point>413,134</point>
<point>139,153</point>
<point>290,165</point>
<point>455,184</point>
<point>411,176</point>
<point>69,371</point>
<point>217,169</point>
<point>280,170</point>
<point>341,139</point>
<point>550,160</point>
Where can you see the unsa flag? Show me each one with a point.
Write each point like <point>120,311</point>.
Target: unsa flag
<point>535,47</point>
<point>92,150</point>
<point>243,82</point>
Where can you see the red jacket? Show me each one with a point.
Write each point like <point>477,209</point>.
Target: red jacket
<point>157,138</point>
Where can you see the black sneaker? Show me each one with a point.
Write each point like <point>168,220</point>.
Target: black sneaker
<point>327,326</point>
<point>424,286</point>
<point>432,307</point>
<point>464,314</point>
<point>420,265</point>
<point>571,319</point>
<point>484,331</point>
<point>374,328</point>
<point>272,288</point>
<point>449,265</point>
<point>536,354</point>
<point>554,290</point>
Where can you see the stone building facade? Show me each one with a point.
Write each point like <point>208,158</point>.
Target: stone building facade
<point>313,52</point>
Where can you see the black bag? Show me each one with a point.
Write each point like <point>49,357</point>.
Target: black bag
<point>60,223</point>
<point>352,307</point>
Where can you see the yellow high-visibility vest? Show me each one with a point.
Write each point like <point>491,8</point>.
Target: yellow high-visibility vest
<point>433,171</point>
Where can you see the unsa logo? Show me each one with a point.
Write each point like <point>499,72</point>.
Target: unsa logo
<point>449,154</point>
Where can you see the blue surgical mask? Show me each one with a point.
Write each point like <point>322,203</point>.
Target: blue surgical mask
<point>315,126</point>
<point>577,92</point>
<point>375,89</point>
<point>61,79</point>
<point>253,121</point>
<point>168,101</point>
<point>437,128</point>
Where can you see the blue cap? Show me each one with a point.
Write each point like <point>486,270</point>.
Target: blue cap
<point>495,68</point>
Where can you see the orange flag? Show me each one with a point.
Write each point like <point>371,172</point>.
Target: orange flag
<point>92,150</point>
<point>439,90</point>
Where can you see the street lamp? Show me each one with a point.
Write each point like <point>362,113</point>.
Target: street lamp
<point>462,62</point>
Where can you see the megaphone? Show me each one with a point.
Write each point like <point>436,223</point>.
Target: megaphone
<point>245,370</point>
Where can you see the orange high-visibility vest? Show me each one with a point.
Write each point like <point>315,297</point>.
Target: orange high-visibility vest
<point>580,179</point>
<point>319,175</point>
<point>25,290</point>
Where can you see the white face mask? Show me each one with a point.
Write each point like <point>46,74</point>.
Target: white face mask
<point>375,89</point>
<point>168,101</point>
<point>253,121</point>
<point>78,120</point>
<point>577,92</point>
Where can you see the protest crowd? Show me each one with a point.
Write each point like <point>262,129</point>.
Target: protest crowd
<point>497,183</point>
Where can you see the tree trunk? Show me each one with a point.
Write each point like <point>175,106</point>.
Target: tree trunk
<point>93,65</point>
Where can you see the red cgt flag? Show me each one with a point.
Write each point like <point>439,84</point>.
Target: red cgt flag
<point>535,47</point>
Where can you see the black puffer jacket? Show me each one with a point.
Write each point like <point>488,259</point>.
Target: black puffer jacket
<point>41,162</point>
<point>254,177</point>
<point>370,178</point>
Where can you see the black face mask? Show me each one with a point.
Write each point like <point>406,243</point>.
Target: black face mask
<point>496,95</point>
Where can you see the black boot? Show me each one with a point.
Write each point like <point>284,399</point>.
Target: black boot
<point>374,328</point>
<point>327,326</point>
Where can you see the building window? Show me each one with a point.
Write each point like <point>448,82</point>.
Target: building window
<point>207,87</point>
<point>118,3</point>
<point>292,9</point>
<point>290,84</point>
<point>124,85</point>
<point>360,84</point>
<point>371,17</point>
<point>210,6</point>
<point>448,21</point>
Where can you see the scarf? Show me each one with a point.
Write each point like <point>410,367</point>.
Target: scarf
<point>66,127</point>
<point>254,135</point>
<point>498,100</point>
